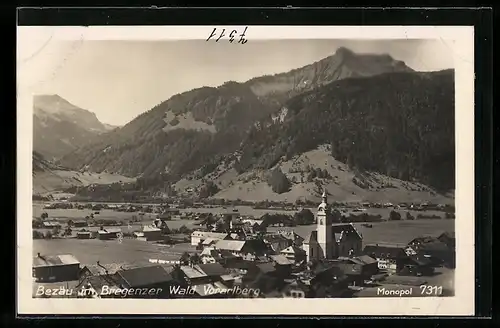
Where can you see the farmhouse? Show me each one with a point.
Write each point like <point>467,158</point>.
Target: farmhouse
<point>84,235</point>
<point>448,238</point>
<point>80,224</point>
<point>277,242</point>
<point>294,254</point>
<point>247,249</point>
<point>389,258</point>
<point>200,236</point>
<point>293,236</point>
<point>51,224</point>
<point>108,233</point>
<point>147,278</point>
<point>211,255</point>
<point>55,268</point>
<point>148,233</point>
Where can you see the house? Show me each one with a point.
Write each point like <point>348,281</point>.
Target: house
<point>417,265</point>
<point>155,279</point>
<point>359,268</point>
<point>63,267</point>
<point>100,269</point>
<point>389,258</point>
<point>168,213</point>
<point>254,226</point>
<point>208,242</point>
<point>294,254</point>
<point>162,225</point>
<point>211,255</point>
<point>277,242</point>
<point>200,236</point>
<point>247,249</point>
<point>149,233</point>
<point>441,250</point>
<point>51,224</point>
<point>99,286</point>
<point>448,238</point>
<point>266,285</point>
<point>329,279</point>
<point>202,274</point>
<point>108,233</point>
<point>329,240</point>
<point>293,236</point>
<point>80,224</point>
<point>370,265</point>
<point>282,265</point>
<point>438,253</point>
<point>84,235</point>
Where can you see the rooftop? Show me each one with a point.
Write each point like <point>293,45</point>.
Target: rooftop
<point>232,245</point>
<point>212,269</point>
<point>209,234</point>
<point>145,276</point>
<point>54,260</point>
<point>193,272</point>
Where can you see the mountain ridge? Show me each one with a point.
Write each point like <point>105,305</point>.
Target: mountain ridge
<point>150,147</point>
<point>59,127</point>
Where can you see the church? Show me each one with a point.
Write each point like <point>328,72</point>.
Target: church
<point>330,241</point>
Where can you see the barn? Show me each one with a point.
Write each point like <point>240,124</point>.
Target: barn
<point>49,268</point>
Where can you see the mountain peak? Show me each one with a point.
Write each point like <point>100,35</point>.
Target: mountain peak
<point>343,51</point>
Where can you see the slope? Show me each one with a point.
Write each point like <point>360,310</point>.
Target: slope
<point>397,124</point>
<point>198,128</point>
<point>310,173</point>
<point>48,177</point>
<point>60,127</point>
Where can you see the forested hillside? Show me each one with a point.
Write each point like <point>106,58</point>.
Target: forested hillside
<point>399,124</point>
<point>377,114</point>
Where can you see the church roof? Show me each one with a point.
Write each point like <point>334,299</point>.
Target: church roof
<point>338,231</point>
<point>313,236</point>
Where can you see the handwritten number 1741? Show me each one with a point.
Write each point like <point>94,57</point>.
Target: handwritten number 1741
<point>231,36</point>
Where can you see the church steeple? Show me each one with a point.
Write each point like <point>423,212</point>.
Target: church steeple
<point>324,228</point>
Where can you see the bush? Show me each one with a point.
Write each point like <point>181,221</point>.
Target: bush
<point>304,217</point>
<point>185,230</point>
<point>394,216</point>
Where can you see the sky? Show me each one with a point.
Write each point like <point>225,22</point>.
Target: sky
<point>118,80</point>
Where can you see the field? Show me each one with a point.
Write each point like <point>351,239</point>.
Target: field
<point>243,210</point>
<point>390,232</point>
<point>130,251</point>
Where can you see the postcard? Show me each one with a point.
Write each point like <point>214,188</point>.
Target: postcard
<point>210,170</point>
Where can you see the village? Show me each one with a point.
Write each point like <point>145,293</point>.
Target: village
<point>234,252</point>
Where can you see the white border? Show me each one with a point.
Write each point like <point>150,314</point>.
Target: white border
<point>459,39</point>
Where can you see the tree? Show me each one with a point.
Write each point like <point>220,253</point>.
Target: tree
<point>185,257</point>
<point>394,216</point>
<point>278,181</point>
<point>44,215</point>
<point>184,230</point>
<point>56,231</point>
<point>304,217</point>
<point>194,259</point>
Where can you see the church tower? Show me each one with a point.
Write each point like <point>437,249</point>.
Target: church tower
<point>324,229</point>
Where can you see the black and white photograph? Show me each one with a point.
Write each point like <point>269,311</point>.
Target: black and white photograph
<point>228,165</point>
